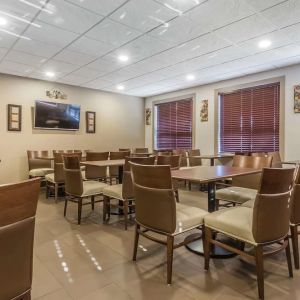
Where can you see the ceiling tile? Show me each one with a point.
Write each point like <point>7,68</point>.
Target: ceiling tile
<point>3,51</point>
<point>260,5</point>
<point>143,15</point>
<point>73,79</point>
<point>58,67</point>
<point>112,33</point>
<point>7,40</point>
<point>287,61</point>
<point>24,58</point>
<point>97,84</point>
<point>88,73</point>
<point>180,6</point>
<point>292,32</point>
<point>51,35</point>
<point>74,57</point>
<point>14,68</point>
<point>66,16</point>
<point>102,7</point>
<point>103,66</point>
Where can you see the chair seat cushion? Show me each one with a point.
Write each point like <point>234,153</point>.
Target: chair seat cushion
<point>113,191</point>
<point>235,222</point>
<point>40,172</point>
<point>236,194</point>
<point>50,177</point>
<point>249,204</point>
<point>188,217</point>
<point>91,188</point>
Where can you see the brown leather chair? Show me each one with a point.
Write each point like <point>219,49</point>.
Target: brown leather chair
<point>266,224</point>
<point>96,173</point>
<point>38,167</point>
<point>194,152</point>
<point>244,188</point>
<point>125,149</point>
<point>114,170</point>
<point>295,218</point>
<point>183,157</point>
<point>18,204</point>
<point>276,159</point>
<point>55,180</point>
<point>76,189</point>
<point>141,150</point>
<point>157,211</point>
<point>123,192</point>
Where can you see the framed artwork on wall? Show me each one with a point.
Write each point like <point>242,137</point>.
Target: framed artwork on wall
<point>297,98</point>
<point>204,111</point>
<point>14,117</point>
<point>148,115</point>
<point>90,117</point>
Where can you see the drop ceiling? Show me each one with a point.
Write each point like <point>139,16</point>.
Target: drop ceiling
<point>80,41</point>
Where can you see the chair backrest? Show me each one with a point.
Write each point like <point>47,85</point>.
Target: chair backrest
<point>271,211</point>
<point>141,150</point>
<point>72,173</point>
<point>125,149</point>
<point>195,161</point>
<point>36,163</point>
<point>18,203</point>
<point>114,170</point>
<point>194,152</point>
<point>172,161</point>
<point>295,200</point>
<point>276,161</point>
<point>58,168</point>
<point>155,205</point>
<point>127,185</point>
<point>58,151</point>
<point>252,162</point>
<point>92,172</point>
<point>183,158</point>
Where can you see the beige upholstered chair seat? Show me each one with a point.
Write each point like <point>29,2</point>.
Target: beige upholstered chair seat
<point>40,172</point>
<point>236,194</point>
<point>50,177</point>
<point>249,204</point>
<point>92,188</point>
<point>113,191</point>
<point>235,222</point>
<point>188,217</point>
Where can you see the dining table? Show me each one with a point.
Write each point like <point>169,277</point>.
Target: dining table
<point>214,157</point>
<point>291,162</point>
<point>210,175</point>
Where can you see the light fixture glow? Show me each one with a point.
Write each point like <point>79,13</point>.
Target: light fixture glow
<point>37,6</point>
<point>50,74</point>
<point>120,87</point>
<point>190,77</point>
<point>3,21</point>
<point>123,58</point>
<point>264,44</point>
<point>14,34</point>
<point>17,18</point>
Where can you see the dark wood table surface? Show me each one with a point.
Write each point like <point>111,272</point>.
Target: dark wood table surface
<point>210,175</point>
<point>52,157</point>
<point>104,163</point>
<point>213,157</point>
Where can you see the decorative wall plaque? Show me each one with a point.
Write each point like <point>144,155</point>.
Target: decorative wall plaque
<point>204,111</point>
<point>297,98</point>
<point>148,114</point>
<point>90,121</point>
<point>14,117</point>
<point>56,94</point>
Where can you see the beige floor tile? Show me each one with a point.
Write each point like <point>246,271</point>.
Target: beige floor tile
<point>57,295</point>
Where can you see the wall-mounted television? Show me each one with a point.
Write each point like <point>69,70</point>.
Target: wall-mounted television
<point>51,115</point>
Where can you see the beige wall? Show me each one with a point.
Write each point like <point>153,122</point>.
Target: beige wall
<point>120,123</point>
<point>205,132</point>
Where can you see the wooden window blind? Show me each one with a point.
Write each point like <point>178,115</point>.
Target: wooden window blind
<point>249,119</point>
<point>173,126</point>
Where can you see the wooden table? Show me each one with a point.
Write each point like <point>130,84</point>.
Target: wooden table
<point>141,154</point>
<point>210,175</point>
<point>52,157</point>
<point>213,157</point>
<point>291,162</point>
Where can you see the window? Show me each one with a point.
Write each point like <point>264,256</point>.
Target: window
<point>249,119</point>
<point>173,125</point>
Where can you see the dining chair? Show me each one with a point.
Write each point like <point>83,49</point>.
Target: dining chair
<point>76,189</point>
<point>94,172</point>
<point>183,157</point>
<point>157,212</point>
<point>141,150</point>
<point>125,149</point>
<point>243,188</point>
<point>18,203</point>
<point>38,167</point>
<point>264,225</point>
<point>194,152</point>
<point>276,158</point>
<point>123,193</point>
<point>114,170</point>
<point>55,180</point>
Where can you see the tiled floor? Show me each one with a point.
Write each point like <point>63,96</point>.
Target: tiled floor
<point>93,261</point>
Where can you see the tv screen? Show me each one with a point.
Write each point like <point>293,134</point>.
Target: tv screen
<point>51,115</point>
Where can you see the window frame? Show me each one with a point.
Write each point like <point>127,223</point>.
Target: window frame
<point>174,99</point>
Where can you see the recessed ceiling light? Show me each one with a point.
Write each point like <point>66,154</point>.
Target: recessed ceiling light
<point>3,21</point>
<point>264,44</point>
<point>17,18</point>
<point>120,87</point>
<point>37,6</point>
<point>123,58</point>
<point>50,74</point>
<point>190,77</point>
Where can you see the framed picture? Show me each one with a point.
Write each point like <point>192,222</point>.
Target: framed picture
<point>148,114</point>
<point>90,122</point>
<point>297,98</point>
<point>204,111</point>
<point>14,117</point>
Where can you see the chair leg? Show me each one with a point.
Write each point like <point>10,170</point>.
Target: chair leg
<point>105,204</point>
<point>260,271</point>
<point>207,237</point>
<point>93,202</point>
<point>66,204</point>
<point>176,195</point>
<point>217,204</point>
<point>47,191</point>
<point>136,241</point>
<point>55,192</point>
<point>288,257</point>
<point>125,210</point>
<point>79,210</point>
<point>190,185</point>
<point>170,248</point>
<point>294,236</point>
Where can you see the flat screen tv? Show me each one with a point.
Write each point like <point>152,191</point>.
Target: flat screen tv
<point>51,115</point>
